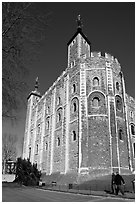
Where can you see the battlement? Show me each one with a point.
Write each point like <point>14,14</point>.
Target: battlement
<point>105,55</point>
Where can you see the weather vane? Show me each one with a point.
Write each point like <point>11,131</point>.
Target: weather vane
<point>79,22</point>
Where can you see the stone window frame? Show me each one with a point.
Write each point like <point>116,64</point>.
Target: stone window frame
<point>59,114</point>
<point>134,149</point>
<point>74,108</point>
<point>37,148</point>
<point>47,123</point>
<point>74,135</point>
<point>131,114</point>
<point>39,129</point>
<point>29,153</point>
<point>120,134</point>
<point>58,141</point>
<point>95,78</point>
<point>132,130</point>
<point>117,86</point>
<point>73,88</point>
<point>94,98</point>
<point>100,95</point>
<point>72,64</point>
<point>46,146</point>
<point>119,103</point>
<point>58,117</point>
<point>48,110</point>
<point>58,100</point>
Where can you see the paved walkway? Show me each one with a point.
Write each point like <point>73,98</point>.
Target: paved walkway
<point>128,195</point>
<point>29,194</point>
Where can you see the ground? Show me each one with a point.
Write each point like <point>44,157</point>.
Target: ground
<point>28,194</point>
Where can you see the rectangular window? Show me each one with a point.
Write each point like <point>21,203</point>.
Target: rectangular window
<point>134,148</point>
<point>37,149</point>
<point>29,152</point>
<point>39,129</point>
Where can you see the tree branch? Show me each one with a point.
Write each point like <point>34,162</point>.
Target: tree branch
<point>18,18</point>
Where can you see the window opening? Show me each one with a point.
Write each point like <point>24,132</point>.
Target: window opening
<point>95,81</point>
<point>134,148</point>
<point>120,135</point>
<point>132,129</point>
<point>74,135</point>
<point>37,149</point>
<point>46,146</point>
<point>29,152</point>
<point>74,88</point>
<point>117,86</point>
<point>74,106</point>
<point>58,141</point>
<point>96,102</point>
<point>59,100</point>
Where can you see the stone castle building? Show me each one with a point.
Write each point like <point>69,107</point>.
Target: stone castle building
<point>85,122</point>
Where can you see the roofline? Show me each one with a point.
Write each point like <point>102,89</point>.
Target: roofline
<point>35,94</point>
<point>79,30</point>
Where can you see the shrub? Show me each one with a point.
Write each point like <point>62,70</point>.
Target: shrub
<point>26,173</point>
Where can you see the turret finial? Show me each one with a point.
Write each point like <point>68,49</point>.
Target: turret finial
<point>36,84</point>
<point>79,22</point>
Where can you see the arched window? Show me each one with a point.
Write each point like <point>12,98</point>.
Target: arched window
<point>118,102</point>
<point>95,102</point>
<point>58,100</point>
<point>120,134</point>
<point>29,152</point>
<point>37,149</point>
<point>131,114</point>
<point>132,129</point>
<point>117,86</point>
<point>74,135</point>
<point>59,116</point>
<point>73,88</point>
<point>95,81</point>
<point>46,146</point>
<point>74,107</point>
<point>38,128</point>
<point>47,124</point>
<point>134,148</point>
<point>48,110</point>
<point>58,141</point>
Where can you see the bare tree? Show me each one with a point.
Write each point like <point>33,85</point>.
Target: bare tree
<point>23,27</point>
<point>8,148</point>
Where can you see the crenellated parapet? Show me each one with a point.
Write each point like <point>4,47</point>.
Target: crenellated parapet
<point>102,60</point>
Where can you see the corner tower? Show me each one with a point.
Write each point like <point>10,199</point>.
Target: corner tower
<point>78,46</point>
<point>28,147</point>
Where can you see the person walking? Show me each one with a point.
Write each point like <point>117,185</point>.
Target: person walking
<point>113,185</point>
<point>118,181</point>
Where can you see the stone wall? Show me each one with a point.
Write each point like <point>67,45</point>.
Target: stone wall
<point>98,142</point>
<point>83,122</point>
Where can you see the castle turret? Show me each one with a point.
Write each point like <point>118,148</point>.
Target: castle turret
<point>78,45</point>
<point>33,98</point>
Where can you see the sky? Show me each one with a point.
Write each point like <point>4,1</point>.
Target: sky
<point>110,27</point>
